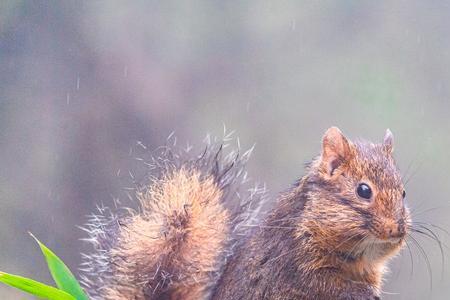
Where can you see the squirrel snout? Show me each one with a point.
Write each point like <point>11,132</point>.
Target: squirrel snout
<point>393,230</point>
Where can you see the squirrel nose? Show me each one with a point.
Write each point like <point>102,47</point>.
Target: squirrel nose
<point>394,230</point>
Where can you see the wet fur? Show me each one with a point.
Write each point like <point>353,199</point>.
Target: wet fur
<point>321,241</point>
<point>191,210</point>
<point>194,236</point>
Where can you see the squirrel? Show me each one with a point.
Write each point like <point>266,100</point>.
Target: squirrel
<point>197,233</point>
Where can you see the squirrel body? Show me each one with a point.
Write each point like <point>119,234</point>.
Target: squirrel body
<point>328,237</point>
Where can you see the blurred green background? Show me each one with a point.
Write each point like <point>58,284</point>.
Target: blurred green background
<point>82,81</point>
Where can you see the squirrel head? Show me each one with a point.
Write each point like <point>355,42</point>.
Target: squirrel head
<point>356,197</point>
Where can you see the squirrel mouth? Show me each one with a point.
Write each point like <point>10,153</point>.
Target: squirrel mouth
<point>383,240</point>
<point>387,236</point>
<point>386,241</point>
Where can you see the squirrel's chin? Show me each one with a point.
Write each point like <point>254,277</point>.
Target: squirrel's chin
<point>377,248</point>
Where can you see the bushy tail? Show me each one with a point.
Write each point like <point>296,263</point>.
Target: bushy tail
<point>175,244</point>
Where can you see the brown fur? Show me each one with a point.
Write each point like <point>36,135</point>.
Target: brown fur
<point>320,241</point>
<point>191,211</point>
<point>172,247</point>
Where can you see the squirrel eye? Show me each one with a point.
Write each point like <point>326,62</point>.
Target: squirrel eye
<point>404,194</point>
<point>364,191</point>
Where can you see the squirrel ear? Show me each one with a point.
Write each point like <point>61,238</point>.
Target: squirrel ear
<point>335,149</point>
<point>388,141</point>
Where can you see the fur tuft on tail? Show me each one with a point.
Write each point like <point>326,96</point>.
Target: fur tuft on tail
<point>175,244</point>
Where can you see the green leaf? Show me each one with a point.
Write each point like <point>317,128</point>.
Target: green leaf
<point>33,287</point>
<point>61,274</point>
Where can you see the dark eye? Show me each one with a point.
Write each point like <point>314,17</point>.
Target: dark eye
<point>404,194</point>
<point>364,191</point>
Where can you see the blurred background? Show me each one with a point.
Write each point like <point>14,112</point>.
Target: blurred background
<point>81,82</point>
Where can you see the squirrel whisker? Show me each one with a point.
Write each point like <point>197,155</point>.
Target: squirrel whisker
<point>410,257</point>
<point>431,235</point>
<point>425,257</point>
<point>408,177</point>
<point>415,214</point>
